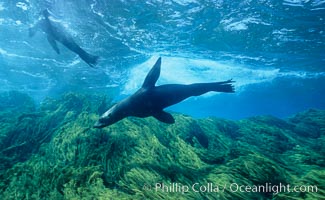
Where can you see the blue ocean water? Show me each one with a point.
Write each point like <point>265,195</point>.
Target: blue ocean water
<point>274,50</point>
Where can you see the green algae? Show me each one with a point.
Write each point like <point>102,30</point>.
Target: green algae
<point>52,152</point>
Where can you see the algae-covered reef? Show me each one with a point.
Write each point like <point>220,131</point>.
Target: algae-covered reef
<point>52,152</point>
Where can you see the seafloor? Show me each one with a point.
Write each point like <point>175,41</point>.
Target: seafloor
<point>51,151</point>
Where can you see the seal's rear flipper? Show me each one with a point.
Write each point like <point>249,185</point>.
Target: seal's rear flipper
<point>91,60</point>
<point>164,117</point>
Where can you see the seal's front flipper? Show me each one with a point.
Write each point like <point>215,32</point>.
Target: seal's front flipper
<point>164,117</point>
<point>32,31</point>
<point>152,76</point>
<point>53,44</point>
<point>225,86</point>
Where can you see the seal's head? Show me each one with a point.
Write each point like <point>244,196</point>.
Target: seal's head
<point>108,118</point>
<point>46,13</point>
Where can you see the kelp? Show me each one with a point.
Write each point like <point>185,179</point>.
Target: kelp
<point>52,152</point>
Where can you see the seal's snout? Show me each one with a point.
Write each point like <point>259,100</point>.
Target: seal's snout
<point>98,125</point>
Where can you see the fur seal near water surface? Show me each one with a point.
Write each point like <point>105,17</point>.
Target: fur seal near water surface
<point>150,100</point>
<point>55,33</point>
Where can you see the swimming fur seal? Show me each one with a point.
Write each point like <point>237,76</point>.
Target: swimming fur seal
<point>55,33</point>
<point>150,100</point>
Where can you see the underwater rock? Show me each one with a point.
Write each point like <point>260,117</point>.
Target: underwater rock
<point>13,130</point>
<point>52,152</point>
<point>16,102</point>
<point>310,123</point>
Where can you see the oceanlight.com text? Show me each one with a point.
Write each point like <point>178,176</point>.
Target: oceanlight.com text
<point>230,187</point>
